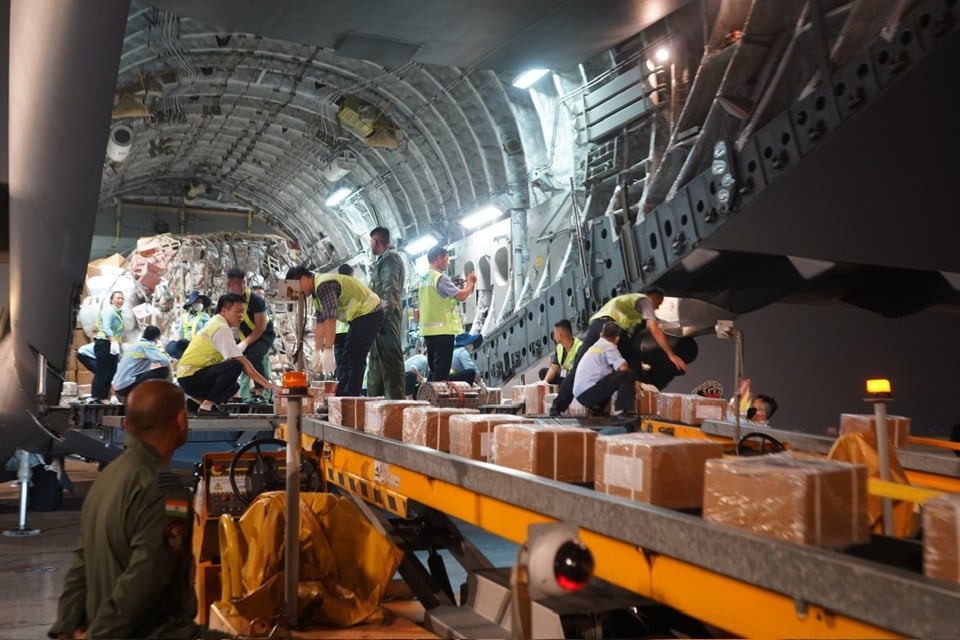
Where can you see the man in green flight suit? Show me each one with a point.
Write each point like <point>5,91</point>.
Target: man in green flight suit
<point>385,375</point>
<point>131,573</point>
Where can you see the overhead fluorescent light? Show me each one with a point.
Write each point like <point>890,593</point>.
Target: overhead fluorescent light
<point>421,265</point>
<point>526,79</point>
<point>481,217</point>
<point>338,196</point>
<point>420,245</point>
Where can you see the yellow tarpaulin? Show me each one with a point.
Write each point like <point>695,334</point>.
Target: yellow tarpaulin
<point>345,563</point>
<point>861,448</point>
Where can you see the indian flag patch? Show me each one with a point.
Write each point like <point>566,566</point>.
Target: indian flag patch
<point>176,508</point>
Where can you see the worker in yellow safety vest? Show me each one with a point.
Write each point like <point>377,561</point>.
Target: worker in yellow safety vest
<point>194,319</point>
<point>209,368</point>
<point>635,314</point>
<point>107,341</point>
<point>439,313</point>
<point>344,298</point>
<point>256,327</point>
<point>568,347</point>
<point>340,331</point>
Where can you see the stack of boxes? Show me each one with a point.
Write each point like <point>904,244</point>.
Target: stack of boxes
<point>76,372</point>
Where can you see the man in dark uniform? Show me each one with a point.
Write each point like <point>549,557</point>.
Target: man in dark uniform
<point>131,573</point>
<point>256,329</point>
<point>385,372</point>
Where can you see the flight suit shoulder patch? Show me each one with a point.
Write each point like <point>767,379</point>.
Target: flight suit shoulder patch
<point>176,508</point>
<point>175,537</point>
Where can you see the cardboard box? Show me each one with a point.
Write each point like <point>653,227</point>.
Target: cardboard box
<point>941,537</point>
<point>554,451</point>
<point>472,434</point>
<point>647,400</point>
<point>84,376</point>
<point>348,411</point>
<point>690,408</point>
<point>696,409</point>
<point>385,417</point>
<point>430,426</point>
<point>518,393</point>
<point>652,468</point>
<point>898,427</point>
<point>533,395</point>
<point>670,406</point>
<point>797,498</point>
<point>493,396</point>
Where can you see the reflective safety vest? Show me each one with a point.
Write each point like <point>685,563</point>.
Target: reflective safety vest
<point>566,363</point>
<point>355,300</point>
<point>623,311</point>
<point>439,316</point>
<point>247,318</point>
<point>201,353</point>
<point>191,323</point>
<point>116,325</point>
<point>342,327</point>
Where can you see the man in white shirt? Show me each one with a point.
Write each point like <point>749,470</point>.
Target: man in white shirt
<point>603,371</point>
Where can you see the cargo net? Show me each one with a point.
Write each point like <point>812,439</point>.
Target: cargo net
<point>159,275</point>
<point>460,395</point>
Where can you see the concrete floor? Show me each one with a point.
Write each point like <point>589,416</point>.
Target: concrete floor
<point>32,569</point>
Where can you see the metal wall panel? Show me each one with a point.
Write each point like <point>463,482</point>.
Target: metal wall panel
<point>651,252</point>
<point>813,119</point>
<point>677,226</point>
<point>778,147</point>
<point>750,178</point>
<point>854,85</point>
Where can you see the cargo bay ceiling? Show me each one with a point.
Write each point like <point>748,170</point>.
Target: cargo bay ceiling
<point>271,107</point>
<point>267,109</point>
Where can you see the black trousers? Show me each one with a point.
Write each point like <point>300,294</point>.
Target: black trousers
<point>339,343</point>
<point>160,373</point>
<point>106,367</point>
<point>363,331</point>
<point>620,381</point>
<point>88,362</point>
<point>216,383</point>
<point>467,375</point>
<point>439,356</point>
<point>410,385</point>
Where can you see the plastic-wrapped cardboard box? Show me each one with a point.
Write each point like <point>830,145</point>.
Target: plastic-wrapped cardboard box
<point>670,406</point>
<point>801,499</point>
<point>471,435</point>
<point>493,396</point>
<point>533,395</point>
<point>898,427</point>
<point>553,451</point>
<point>430,426</point>
<point>647,400</point>
<point>348,411</point>
<point>690,408</point>
<point>652,468</point>
<point>385,417</point>
<point>696,409</point>
<point>941,537</point>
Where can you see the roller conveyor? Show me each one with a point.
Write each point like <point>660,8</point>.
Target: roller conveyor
<point>745,583</point>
